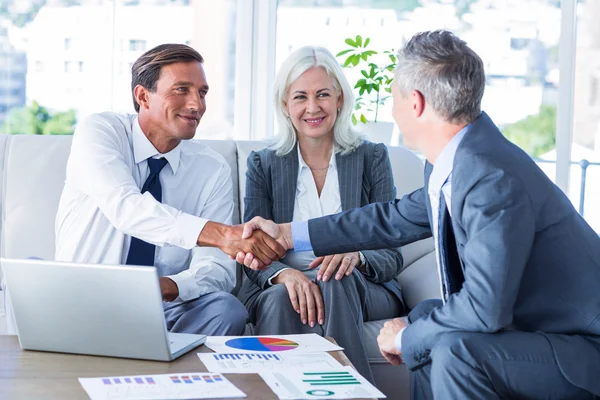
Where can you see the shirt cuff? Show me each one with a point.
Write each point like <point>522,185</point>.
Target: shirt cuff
<point>301,236</point>
<point>398,340</point>
<point>185,286</point>
<point>186,230</point>
<point>274,275</point>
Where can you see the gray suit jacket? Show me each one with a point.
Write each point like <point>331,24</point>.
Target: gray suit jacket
<point>530,261</point>
<point>365,176</point>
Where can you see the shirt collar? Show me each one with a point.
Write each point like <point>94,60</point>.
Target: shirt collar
<point>302,164</point>
<point>143,149</point>
<point>445,161</point>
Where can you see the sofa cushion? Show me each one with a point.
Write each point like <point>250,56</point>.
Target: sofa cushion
<point>228,150</point>
<point>407,169</point>
<point>33,182</point>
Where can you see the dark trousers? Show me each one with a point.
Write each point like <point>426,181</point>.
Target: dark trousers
<point>503,365</point>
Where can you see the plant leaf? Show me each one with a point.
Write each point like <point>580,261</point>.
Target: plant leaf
<point>350,42</point>
<point>354,121</point>
<point>364,73</point>
<point>341,53</point>
<point>355,59</point>
<point>363,119</point>
<point>358,41</point>
<point>372,71</point>
<point>367,41</point>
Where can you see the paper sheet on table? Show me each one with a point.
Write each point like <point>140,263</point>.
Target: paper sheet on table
<point>192,385</point>
<point>306,343</point>
<point>344,383</point>
<point>250,363</point>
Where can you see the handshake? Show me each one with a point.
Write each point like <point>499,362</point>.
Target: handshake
<point>256,244</point>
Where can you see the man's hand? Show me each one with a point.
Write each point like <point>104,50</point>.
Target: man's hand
<point>386,340</point>
<point>281,233</point>
<point>344,263</point>
<point>168,289</point>
<point>305,296</point>
<point>229,239</point>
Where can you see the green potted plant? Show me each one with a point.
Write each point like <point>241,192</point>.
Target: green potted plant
<point>375,83</point>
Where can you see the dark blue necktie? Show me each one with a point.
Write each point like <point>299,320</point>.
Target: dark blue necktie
<point>140,252</point>
<point>452,275</point>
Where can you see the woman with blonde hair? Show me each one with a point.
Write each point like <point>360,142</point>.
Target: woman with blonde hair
<point>318,165</point>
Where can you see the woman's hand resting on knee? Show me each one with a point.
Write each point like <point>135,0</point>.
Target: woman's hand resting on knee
<point>304,294</point>
<point>343,263</point>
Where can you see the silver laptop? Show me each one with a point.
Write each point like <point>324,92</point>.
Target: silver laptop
<point>92,309</point>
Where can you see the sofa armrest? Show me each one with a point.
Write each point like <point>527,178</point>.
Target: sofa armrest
<point>414,251</point>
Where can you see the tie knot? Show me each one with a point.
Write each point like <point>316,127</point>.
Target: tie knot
<point>156,165</point>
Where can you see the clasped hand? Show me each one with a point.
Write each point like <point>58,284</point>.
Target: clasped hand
<point>344,264</point>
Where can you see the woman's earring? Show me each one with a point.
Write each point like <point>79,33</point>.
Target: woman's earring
<point>339,109</point>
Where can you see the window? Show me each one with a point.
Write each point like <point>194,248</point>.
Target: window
<point>137,45</point>
<point>517,41</point>
<point>584,185</point>
<point>51,70</point>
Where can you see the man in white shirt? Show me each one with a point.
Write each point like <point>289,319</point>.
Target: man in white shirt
<point>138,192</point>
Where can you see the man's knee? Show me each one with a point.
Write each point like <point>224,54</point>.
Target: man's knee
<point>453,347</point>
<point>233,315</point>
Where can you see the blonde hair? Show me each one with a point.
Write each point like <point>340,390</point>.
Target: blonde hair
<point>345,138</point>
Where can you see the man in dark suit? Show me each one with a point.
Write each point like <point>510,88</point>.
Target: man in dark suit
<point>519,267</point>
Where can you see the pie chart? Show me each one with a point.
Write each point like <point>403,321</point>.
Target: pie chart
<point>261,344</point>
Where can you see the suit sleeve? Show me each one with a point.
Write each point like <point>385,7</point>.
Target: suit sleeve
<point>372,227</point>
<point>258,202</point>
<point>498,219</point>
<point>382,265</point>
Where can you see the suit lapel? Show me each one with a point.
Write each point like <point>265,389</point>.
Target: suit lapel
<point>350,168</point>
<point>285,178</point>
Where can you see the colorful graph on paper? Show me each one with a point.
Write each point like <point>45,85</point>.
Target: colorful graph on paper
<point>175,379</point>
<point>192,385</point>
<point>329,378</point>
<point>261,344</point>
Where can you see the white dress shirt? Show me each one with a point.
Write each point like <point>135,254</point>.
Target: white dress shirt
<point>440,181</point>
<point>101,206</point>
<point>310,205</point>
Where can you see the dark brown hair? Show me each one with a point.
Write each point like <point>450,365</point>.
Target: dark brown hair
<point>146,69</point>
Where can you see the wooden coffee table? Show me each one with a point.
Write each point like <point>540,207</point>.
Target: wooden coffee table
<point>26,375</point>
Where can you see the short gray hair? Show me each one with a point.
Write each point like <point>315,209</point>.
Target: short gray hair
<point>448,74</point>
<point>297,63</point>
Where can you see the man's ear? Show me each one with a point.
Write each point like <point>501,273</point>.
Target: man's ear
<point>418,103</point>
<point>141,95</point>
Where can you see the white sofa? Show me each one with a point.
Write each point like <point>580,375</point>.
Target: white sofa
<point>32,174</point>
